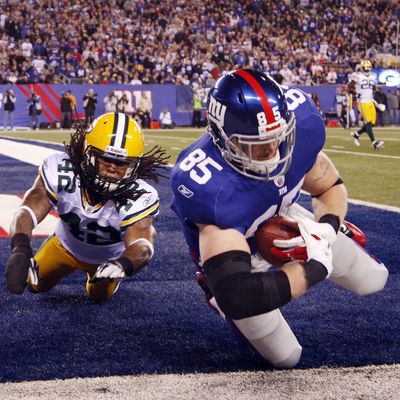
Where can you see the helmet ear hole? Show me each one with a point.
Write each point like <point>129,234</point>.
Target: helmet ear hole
<point>240,97</point>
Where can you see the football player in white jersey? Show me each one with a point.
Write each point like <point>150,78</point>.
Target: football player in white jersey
<point>106,211</point>
<point>362,83</point>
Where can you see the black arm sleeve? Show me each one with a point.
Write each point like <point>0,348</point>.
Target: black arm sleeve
<point>241,294</point>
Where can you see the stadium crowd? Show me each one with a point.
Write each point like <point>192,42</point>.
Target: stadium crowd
<point>181,42</point>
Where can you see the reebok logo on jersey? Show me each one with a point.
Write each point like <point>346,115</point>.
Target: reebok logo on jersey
<point>185,191</point>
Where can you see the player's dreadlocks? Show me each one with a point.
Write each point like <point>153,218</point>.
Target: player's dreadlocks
<point>150,166</point>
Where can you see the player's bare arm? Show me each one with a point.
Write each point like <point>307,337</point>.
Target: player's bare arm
<point>214,240</point>
<point>139,241</point>
<point>37,201</point>
<point>324,184</point>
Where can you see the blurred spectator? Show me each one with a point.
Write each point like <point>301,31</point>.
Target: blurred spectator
<point>73,100</point>
<point>34,110</point>
<point>197,106</point>
<point>89,105</point>
<point>381,99</point>
<point>331,76</point>
<point>315,98</point>
<point>145,107</point>
<point>9,108</point>
<point>110,102</point>
<point>287,75</point>
<point>166,119</point>
<point>123,103</point>
<point>393,101</point>
<point>66,111</point>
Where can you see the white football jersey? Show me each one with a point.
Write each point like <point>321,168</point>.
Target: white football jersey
<point>364,86</point>
<point>93,234</point>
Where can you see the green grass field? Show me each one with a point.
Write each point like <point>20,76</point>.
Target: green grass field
<point>372,176</point>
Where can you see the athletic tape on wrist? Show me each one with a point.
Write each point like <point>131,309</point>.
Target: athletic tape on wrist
<point>126,264</point>
<point>147,242</point>
<point>32,214</point>
<point>331,219</point>
<point>315,272</point>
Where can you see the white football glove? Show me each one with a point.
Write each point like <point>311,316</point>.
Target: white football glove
<point>109,270</point>
<point>317,249</point>
<point>321,230</point>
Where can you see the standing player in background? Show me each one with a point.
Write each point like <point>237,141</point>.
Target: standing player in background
<point>362,84</point>
<point>106,211</point>
<point>263,145</point>
<point>344,107</point>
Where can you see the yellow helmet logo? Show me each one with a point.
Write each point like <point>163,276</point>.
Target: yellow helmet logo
<point>116,135</point>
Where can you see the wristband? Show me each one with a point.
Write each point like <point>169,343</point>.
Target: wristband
<point>127,265</point>
<point>147,242</point>
<point>315,272</point>
<point>21,240</point>
<point>332,220</point>
<point>31,213</point>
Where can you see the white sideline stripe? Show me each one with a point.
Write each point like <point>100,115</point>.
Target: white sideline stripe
<point>34,155</point>
<point>9,203</point>
<point>348,139</point>
<point>368,204</point>
<point>375,205</point>
<point>356,153</point>
<point>24,152</point>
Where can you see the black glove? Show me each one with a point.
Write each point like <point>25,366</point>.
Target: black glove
<point>18,264</point>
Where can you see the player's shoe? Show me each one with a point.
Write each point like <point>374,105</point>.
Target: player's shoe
<point>355,137</point>
<point>377,144</point>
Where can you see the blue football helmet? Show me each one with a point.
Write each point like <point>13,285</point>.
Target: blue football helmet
<point>249,119</point>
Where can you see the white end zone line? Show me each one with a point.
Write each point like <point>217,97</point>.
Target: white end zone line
<point>24,152</point>
<point>8,204</point>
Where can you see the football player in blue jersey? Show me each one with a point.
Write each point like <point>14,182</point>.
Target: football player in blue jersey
<point>106,211</point>
<point>262,146</point>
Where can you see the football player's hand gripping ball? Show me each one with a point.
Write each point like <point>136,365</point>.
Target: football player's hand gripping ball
<point>295,248</point>
<point>318,248</point>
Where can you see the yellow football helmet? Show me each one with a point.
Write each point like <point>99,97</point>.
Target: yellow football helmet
<point>117,138</point>
<point>366,66</point>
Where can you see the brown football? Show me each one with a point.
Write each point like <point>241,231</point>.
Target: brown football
<point>277,227</point>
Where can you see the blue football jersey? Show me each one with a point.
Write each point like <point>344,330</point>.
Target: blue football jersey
<point>208,191</point>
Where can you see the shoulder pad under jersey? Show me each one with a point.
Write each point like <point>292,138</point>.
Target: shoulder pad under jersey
<point>58,176</point>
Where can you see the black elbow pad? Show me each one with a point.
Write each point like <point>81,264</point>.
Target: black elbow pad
<point>241,294</point>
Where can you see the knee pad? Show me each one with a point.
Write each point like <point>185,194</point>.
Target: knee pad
<point>270,335</point>
<point>355,269</point>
